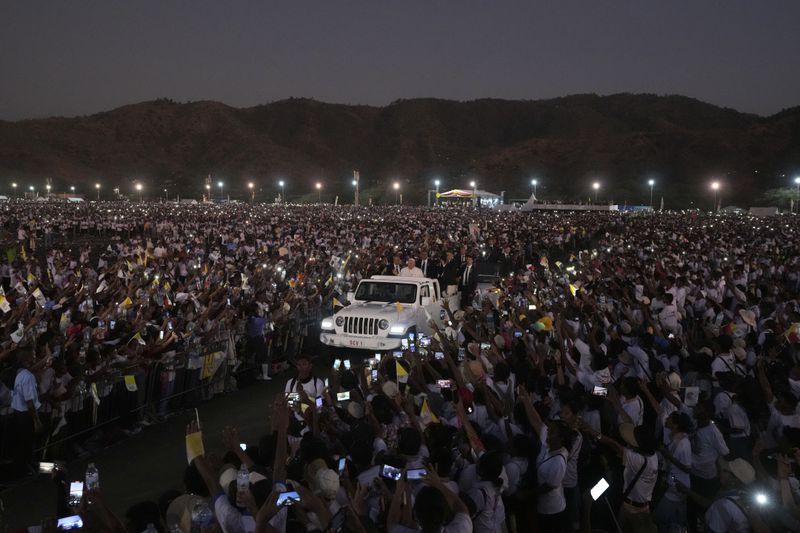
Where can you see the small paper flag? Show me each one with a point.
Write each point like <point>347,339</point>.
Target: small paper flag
<point>130,383</point>
<point>402,375</point>
<point>194,446</point>
<point>336,302</point>
<point>399,307</point>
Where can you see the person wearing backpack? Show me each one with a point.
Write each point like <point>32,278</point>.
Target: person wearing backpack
<point>640,474</point>
<point>489,511</point>
<point>551,467</point>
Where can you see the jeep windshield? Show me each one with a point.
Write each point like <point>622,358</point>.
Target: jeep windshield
<point>373,291</point>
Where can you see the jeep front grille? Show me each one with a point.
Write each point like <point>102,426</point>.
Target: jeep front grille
<point>359,325</point>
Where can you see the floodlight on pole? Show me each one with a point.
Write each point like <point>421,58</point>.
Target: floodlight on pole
<point>534,184</point>
<point>139,188</point>
<point>715,188</point>
<point>319,192</point>
<point>797,182</point>
<point>251,186</point>
<point>596,187</point>
<point>14,186</point>
<point>396,186</point>
<point>651,183</point>
<point>281,184</point>
<point>221,190</point>
<point>97,186</point>
<point>474,193</point>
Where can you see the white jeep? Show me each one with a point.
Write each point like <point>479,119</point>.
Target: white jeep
<point>382,311</point>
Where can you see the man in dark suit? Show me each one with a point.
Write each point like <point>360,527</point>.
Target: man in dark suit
<point>467,282</point>
<point>393,268</point>
<point>448,274</point>
<point>428,266</point>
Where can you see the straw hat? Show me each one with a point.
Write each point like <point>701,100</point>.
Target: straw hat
<point>748,316</point>
<point>741,469</point>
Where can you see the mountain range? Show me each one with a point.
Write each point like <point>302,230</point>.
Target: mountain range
<point>620,141</point>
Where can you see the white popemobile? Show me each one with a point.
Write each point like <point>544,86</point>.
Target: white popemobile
<point>382,311</point>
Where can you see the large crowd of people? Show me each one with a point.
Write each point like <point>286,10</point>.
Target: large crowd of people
<point>632,372</point>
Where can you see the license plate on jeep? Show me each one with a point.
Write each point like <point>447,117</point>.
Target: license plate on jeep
<point>355,343</point>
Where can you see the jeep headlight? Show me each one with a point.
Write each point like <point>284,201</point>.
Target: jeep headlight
<point>339,321</point>
<point>383,324</point>
<point>327,323</point>
<point>397,330</point>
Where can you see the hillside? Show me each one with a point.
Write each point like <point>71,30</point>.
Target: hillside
<point>619,140</point>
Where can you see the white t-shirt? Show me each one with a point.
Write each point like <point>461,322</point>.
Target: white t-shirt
<point>490,511</point>
<point>681,450</point>
<point>571,475</point>
<point>724,516</point>
<point>635,409</point>
<point>314,387</point>
<point>551,468</point>
<point>642,491</point>
<point>460,523</point>
<point>708,445</point>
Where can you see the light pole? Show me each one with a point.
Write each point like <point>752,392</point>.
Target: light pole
<point>72,189</point>
<point>715,188</point>
<point>437,183</point>
<point>33,190</point>
<point>97,186</point>
<point>355,194</point>
<point>208,192</point>
<point>396,186</point>
<point>651,183</point>
<point>251,186</point>
<point>139,189</point>
<point>221,191</point>
<point>319,193</point>
<point>534,184</point>
<point>14,186</point>
<point>166,195</point>
<point>474,193</point>
<point>48,189</point>
<point>596,187</point>
<point>797,203</point>
<point>281,184</point>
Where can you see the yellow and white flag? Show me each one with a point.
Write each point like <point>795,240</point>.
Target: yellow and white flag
<point>426,416</point>
<point>402,374</point>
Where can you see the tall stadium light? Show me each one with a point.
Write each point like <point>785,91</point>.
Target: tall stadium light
<point>715,188</point>
<point>797,202</point>
<point>97,186</point>
<point>396,187</point>
<point>651,183</point>
<point>251,186</point>
<point>436,183</point>
<point>282,184</point>
<point>139,189</point>
<point>221,190</point>
<point>319,192</point>
<point>48,187</point>
<point>534,184</point>
<point>72,188</point>
<point>474,193</point>
<point>14,186</point>
<point>596,187</point>
<point>208,192</point>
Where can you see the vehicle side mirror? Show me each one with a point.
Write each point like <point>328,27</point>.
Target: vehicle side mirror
<point>351,296</point>
<point>426,301</point>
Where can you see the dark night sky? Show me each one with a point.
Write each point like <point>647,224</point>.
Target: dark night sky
<point>80,57</point>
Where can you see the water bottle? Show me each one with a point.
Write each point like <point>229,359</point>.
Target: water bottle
<point>242,484</point>
<point>202,516</point>
<point>92,478</point>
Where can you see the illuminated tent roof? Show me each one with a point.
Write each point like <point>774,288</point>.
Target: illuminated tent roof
<point>466,193</point>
